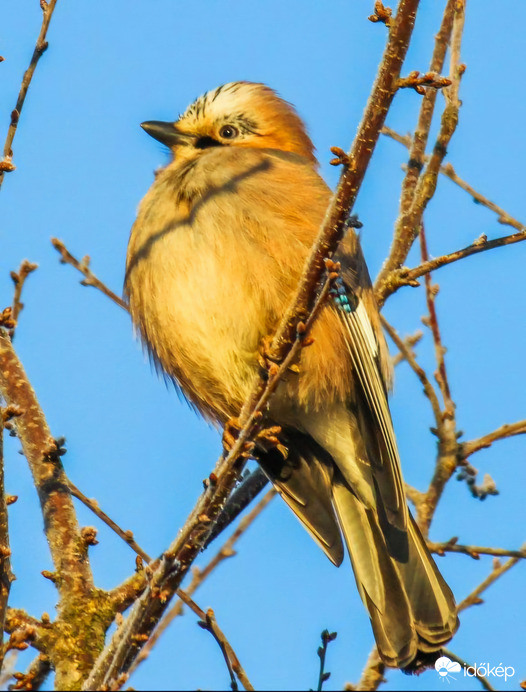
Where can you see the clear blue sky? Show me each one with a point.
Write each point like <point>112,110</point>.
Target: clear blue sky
<point>83,164</point>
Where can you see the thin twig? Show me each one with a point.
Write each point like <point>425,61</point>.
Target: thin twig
<point>326,638</point>
<point>408,355</point>
<point>127,536</point>
<point>6,165</point>
<point>503,216</point>
<point>448,170</point>
<point>498,570</point>
<point>406,276</point>
<point>89,277</point>
<point>474,551</point>
<point>200,575</point>
<point>483,681</point>
<point>209,623</point>
<point>432,323</point>
<point>507,430</point>
<point>19,278</point>
<point>410,342</point>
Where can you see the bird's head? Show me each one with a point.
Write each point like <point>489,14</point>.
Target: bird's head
<point>238,114</point>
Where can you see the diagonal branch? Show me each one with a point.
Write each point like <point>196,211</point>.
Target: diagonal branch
<point>199,575</point>
<point>483,680</point>
<point>209,623</point>
<point>6,164</point>
<point>507,430</point>
<point>474,551</point>
<point>408,277</point>
<point>498,570</point>
<point>89,277</point>
<point>448,170</point>
<point>126,644</point>
<point>127,536</point>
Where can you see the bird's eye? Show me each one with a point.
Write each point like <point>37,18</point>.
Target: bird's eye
<point>228,132</point>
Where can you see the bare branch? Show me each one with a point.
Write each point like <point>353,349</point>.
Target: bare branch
<point>6,576</point>
<point>6,165</point>
<point>408,355</point>
<point>127,536</point>
<point>407,221</point>
<point>89,277</point>
<point>498,570</point>
<point>408,277</point>
<point>91,609</point>
<point>372,675</point>
<point>474,551</point>
<point>209,623</point>
<point>198,577</point>
<point>483,681</point>
<point>19,279</point>
<point>432,323</point>
<point>503,216</point>
<point>35,676</point>
<point>43,455</point>
<point>507,430</point>
<point>448,170</point>
<point>326,638</point>
<point>410,342</point>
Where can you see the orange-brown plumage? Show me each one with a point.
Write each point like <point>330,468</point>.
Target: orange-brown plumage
<point>214,256</point>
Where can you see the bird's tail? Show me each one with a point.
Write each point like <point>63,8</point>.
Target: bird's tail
<point>411,607</point>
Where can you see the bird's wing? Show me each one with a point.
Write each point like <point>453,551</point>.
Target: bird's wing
<point>354,302</point>
<point>304,481</point>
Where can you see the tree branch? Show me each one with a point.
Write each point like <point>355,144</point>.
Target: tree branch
<point>89,277</point>
<point>6,575</point>
<point>209,623</point>
<point>407,277</point>
<point>483,681</point>
<point>448,170</point>
<point>372,676</point>
<point>6,164</point>
<point>498,570</point>
<point>200,575</point>
<point>411,201</point>
<point>82,609</point>
<point>474,551</point>
<point>127,536</point>
<point>506,430</point>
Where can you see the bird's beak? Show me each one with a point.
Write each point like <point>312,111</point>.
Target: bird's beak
<point>166,133</point>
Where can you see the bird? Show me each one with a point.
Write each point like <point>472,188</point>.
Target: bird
<point>214,256</point>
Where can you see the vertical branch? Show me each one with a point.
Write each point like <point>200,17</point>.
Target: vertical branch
<point>6,576</point>
<point>408,223</point>
<point>431,291</point>
<point>419,141</point>
<point>73,576</point>
<point>6,164</point>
